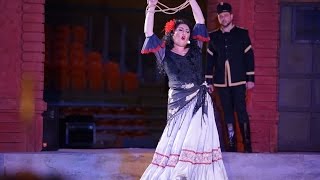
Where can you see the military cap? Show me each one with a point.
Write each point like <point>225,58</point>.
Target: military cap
<point>224,7</point>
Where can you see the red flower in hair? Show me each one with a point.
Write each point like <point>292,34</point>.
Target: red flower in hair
<point>169,26</point>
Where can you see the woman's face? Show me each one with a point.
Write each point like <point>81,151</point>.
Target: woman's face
<point>181,35</point>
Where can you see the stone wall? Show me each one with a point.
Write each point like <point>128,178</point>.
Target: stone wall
<point>22,57</point>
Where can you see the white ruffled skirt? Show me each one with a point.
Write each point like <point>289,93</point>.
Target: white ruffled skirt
<point>189,148</point>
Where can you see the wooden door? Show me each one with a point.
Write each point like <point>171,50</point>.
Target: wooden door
<point>299,73</point>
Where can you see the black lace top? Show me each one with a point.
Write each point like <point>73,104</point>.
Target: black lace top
<point>183,70</point>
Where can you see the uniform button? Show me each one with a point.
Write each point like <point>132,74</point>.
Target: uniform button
<point>226,46</point>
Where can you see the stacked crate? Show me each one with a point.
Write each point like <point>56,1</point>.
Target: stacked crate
<point>78,60</point>
<point>95,72</point>
<point>59,62</point>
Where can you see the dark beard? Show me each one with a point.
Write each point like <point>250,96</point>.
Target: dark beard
<point>226,25</point>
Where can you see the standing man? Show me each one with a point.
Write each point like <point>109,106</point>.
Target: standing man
<point>230,71</point>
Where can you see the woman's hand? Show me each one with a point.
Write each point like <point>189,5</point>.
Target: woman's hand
<point>152,2</point>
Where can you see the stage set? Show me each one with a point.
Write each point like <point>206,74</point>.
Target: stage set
<point>129,164</point>
<point>79,101</point>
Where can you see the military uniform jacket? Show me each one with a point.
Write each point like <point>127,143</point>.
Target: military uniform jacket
<point>230,58</point>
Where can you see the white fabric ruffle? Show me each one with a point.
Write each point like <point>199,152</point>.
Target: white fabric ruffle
<point>189,148</point>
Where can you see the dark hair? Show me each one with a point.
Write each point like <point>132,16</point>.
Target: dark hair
<point>167,38</point>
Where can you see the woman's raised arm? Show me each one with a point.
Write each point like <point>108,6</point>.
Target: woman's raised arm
<point>149,20</point>
<point>197,13</point>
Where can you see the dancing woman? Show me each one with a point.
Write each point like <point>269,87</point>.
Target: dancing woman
<point>189,147</point>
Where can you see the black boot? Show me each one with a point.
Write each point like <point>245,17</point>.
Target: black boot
<point>231,138</point>
<point>245,133</point>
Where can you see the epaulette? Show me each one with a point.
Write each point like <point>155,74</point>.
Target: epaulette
<point>242,28</point>
<point>214,31</point>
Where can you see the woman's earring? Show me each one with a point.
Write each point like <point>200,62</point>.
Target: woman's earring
<point>188,42</point>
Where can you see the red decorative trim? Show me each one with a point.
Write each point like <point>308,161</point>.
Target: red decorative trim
<point>147,51</point>
<point>186,156</point>
<point>201,38</point>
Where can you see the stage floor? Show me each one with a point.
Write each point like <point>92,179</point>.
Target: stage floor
<point>129,164</point>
